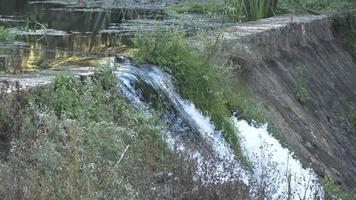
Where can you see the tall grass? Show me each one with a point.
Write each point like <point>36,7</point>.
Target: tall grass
<point>259,9</point>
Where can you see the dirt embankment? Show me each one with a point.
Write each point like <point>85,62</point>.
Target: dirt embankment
<point>284,55</point>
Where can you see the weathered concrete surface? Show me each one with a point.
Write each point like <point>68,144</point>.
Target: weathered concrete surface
<point>273,53</point>
<point>25,82</point>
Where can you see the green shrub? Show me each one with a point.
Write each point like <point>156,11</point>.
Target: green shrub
<point>5,34</point>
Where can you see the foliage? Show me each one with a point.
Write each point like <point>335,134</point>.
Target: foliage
<point>5,34</point>
<point>81,140</point>
<point>333,191</point>
<point>197,77</point>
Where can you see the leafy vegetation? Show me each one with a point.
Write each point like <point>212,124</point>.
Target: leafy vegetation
<point>212,87</point>
<point>5,34</point>
<point>81,140</point>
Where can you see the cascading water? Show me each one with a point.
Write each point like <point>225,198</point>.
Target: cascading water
<point>275,167</point>
<point>193,135</point>
<point>189,132</point>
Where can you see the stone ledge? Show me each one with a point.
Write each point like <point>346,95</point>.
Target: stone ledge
<point>26,82</point>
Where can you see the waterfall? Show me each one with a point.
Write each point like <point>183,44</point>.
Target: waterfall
<point>193,135</point>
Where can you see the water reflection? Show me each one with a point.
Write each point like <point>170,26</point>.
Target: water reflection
<point>50,51</point>
<point>56,32</point>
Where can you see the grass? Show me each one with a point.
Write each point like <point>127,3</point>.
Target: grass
<point>5,34</point>
<point>210,86</point>
<point>81,140</point>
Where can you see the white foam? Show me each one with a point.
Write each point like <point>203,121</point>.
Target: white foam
<point>275,166</point>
